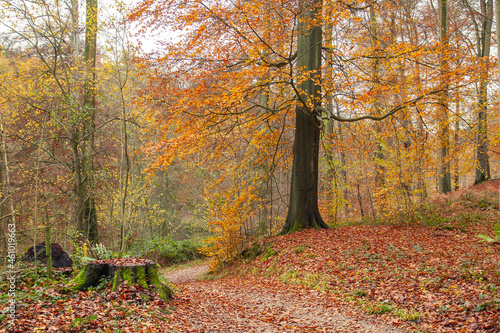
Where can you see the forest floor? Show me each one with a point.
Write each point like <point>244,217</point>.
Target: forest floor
<point>251,304</point>
<point>432,276</point>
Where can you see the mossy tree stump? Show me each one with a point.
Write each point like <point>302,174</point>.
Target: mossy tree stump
<point>132,271</point>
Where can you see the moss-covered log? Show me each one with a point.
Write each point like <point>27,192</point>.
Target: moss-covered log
<point>143,274</point>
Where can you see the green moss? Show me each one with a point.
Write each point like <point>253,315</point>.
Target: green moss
<point>80,279</point>
<point>141,276</point>
<point>153,275</point>
<point>269,253</point>
<point>116,280</point>
<point>128,274</point>
<point>253,252</point>
<point>90,275</point>
<point>301,223</point>
<point>163,291</point>
<point>296,226</point>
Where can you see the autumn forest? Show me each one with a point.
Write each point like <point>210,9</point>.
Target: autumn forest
<point>220,124</point>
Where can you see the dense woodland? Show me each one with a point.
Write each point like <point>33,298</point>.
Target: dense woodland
<point>247,118</point>
<point>223,134</point>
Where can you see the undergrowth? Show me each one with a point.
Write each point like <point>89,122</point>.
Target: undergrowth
<point>43,304</point>
<point>167,252</point>
<point>438,269</point>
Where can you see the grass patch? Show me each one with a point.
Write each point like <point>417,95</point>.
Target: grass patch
<point>301,248</point>
<point>378,308</point>
<point>360,293</point>
<point>268,253</point>
<point>289,276</point>
<point>408,315</point>
<point>316,281</point>
<point>490,305</point>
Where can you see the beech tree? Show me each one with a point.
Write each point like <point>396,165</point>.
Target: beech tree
<point>303,212</point>
<point>482,23</point>
<point>256,49</point>
<point>443,117</point>
<point>84,169</point>
<point>243,80</point>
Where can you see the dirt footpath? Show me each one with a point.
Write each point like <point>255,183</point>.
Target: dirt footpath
<point>256,305</point>
<point>187,274</point>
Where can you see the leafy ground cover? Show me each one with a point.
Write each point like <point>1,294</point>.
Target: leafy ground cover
<point>166,252</point>
<point>252,304</point>
<point>44,305</point>
<point>426,279</point>
<point>435,275</point>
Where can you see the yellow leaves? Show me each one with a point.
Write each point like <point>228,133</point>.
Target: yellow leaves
<point>233,202</point>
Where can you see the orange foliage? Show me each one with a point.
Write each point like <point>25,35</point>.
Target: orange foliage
<point>222,89</point>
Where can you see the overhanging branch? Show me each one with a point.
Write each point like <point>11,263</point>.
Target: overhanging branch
<point>330,115</point>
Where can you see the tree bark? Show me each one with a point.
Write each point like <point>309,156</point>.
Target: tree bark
<point>86,213</point>
<point>497,16</point>
<point>74,37</point>
<point>456,141</point>
<point>303,211</point>
<point>332,183</point>
<point>7,190</point>
<point>125,159</point>
<point>379,152</point>
<point>444,126</point>
<point>484,46</point>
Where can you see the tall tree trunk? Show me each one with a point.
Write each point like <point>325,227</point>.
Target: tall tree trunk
<point>456,142</point>
<point>75,34</point>
<point>8,186</point>
<point>484,45</point>
<point>125,157</point>
<point>497,16</point>
<point>444,126</point>
<point>482,159</point>
<point>124,177</point>
<point>421,184</point>
<point>86,213</point>
<point>303,209</point>
<point>343,171</point>
<point>331,181</point>
<point>379,152</point>
<point>332,184</point>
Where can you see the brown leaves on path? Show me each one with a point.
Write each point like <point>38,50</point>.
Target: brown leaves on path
<point>414,278</point>
<point>252,304</point>
<point>186,274</point>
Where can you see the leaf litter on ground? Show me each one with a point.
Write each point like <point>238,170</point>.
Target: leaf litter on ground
<point>436,276</point>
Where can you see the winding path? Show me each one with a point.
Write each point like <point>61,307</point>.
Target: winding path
<point>257,305</point>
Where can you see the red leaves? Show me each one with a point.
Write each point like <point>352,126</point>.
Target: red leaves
<point>445,278</point>
<point>52,307</point>
<point>252,304</point>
